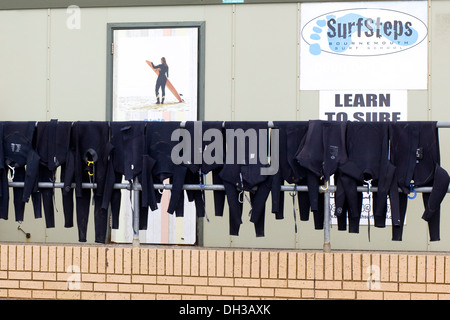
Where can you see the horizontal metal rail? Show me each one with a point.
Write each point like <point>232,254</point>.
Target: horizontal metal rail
<point>133,187</point>
<point>213,187</point>
<point>136,186</point>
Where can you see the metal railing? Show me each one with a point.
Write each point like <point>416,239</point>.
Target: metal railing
<point>135,186</point>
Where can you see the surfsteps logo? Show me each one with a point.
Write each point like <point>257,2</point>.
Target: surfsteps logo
<point>363,32</point>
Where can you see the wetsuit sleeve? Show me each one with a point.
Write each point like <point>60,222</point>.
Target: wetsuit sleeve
<point>277,196</point>
<point>440,187</point>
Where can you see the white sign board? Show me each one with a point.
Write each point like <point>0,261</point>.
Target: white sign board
<point>360,45</point>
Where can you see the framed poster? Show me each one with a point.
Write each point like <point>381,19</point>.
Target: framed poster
<point>137,54</point>
<point>155,72</point>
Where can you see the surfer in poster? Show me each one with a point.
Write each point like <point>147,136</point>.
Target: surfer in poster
<point>162,79</point>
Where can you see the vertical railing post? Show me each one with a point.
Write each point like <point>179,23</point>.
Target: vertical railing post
<point>327,221</point>
<point>135,211</point>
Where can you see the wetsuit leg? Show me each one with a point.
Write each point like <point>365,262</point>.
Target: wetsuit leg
<point>67,193</point>
<point>277,196</point>
<point>353,201</point>
<point>196,196</point>
<point>304,202</point>
<point>397,231</point>
<point>82,216</point>
<point>342,218</point>
<point>177,192</point>
<point>37,207</point>
<point>179,210</point>
<point>19,204</point>
<point>316,200</point>
<point>341,205</point>
<point>379,209</point>
<point>112,197</point>
<point>258,201</point>
<point>31,186</point>
<point>4,195</point>
<point>439,190</point>
<point>354,218</point>
<point>82,210</point>
<point>387,185</point>
<point>163,90</point>
<point>100,220</point>
<point>319,215</point>
<point>157,86</point>
<point>47,197</point>
<point>22,195</point>
<point>219,195</point>
<point>144,209</point>
<point>116,199</point>
<point>434,220</point>
<point>235,208</point>
<point>149,198</point>
<point>433,200</point>
<point>143,218</point>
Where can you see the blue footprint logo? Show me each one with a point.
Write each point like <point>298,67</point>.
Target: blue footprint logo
<point>314,48</point>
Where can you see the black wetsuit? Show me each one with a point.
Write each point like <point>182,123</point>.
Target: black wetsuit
<point>368,161</point>
<point>198,164</point>
<point>52,145</point>
<point>321,153</point>
<point>128,142</point>
<point>161,80</point>
<point>158,166</point>
<point>4,187</point>
<point>21,159</point>
<point>242,173</point>
<point>91,150</point>
<point>290,136</point>
<point>415,153</point>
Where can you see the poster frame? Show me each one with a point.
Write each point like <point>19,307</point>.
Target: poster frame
<point>111,27</point>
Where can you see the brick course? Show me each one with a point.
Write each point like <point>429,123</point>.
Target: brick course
<point>91,272</point>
